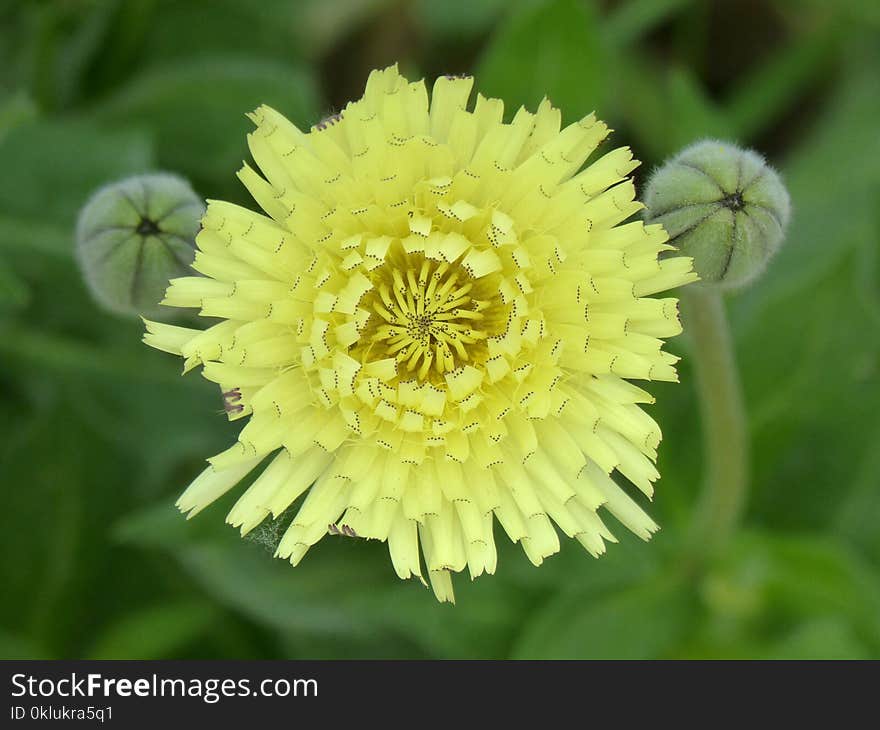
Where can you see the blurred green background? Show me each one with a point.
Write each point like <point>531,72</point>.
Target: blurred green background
<point>98,434</point>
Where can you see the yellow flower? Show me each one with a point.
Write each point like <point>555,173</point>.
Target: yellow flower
<point>433,325</point>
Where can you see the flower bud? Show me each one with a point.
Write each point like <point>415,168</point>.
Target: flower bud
<point>134,235</point>
<point>722,205</point>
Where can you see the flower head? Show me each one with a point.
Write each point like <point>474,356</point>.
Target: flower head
<point>432,326</point>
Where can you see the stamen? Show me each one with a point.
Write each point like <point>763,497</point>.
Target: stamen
<point>426,317</point>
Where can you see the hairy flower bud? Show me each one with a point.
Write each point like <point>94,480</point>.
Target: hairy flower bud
<point>722,205</point>
<point>134,235</point>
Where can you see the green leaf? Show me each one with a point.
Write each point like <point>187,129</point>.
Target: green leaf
<point>456,19</point>
<point>158,526</point>
<point>343,589</point>
<point>834,180</point>
<point>628,21</point>
<point>54,553</point>
<point>776,85</point>
<point>68,356</point>
<point>821,638</point>
<point>642,622</point>
<point>155,632</point>
<point>96,43</point>
<point>807,331</point>
<point>860,13</point>
<point>798,366</point>
<point>276,30</point>
<point>64,163</point>
<point>196,112</point>
<point>15,109</point>
<point>14,293</point>
<point>548,49</point>
<point>857,514</point>
<point>767,583</point>
<point>319,26</point>
<point>692,114</point>
<point>820,576</point>
<point>488,613</point>
<point>666,108</point>
<point>316,596</point>
<point>13,646</point>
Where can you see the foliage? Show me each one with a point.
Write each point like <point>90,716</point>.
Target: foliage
<point>98,434</point>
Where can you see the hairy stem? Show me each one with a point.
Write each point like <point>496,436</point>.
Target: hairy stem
<point>724,424</point>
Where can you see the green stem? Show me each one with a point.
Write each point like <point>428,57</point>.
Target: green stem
<point>724,424</point>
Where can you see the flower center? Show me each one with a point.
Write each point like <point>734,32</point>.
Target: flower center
<point>431,316</point>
